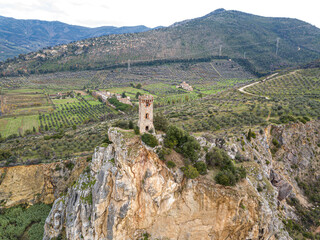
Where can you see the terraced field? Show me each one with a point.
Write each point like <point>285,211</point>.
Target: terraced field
<point>296,93</point>
<point>297,83</point>
<point>24,102</point>
<point>73,113</point>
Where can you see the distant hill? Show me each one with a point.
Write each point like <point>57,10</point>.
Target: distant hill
<point>23,36</point>
<point>227,33</point>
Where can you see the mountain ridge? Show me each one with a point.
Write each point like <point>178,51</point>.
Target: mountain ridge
<point>268,43</point>
<point>20,36</point>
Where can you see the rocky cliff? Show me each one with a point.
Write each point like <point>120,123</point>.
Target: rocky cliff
<point>129,192</point>
<point>34,183</point>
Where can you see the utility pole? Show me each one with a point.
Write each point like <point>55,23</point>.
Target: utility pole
<point>129,65</point>
<point>220,50</point>
<point>277,46</point>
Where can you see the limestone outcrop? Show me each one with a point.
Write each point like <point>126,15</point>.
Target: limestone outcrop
<point>129,191</point>
<point>36,183</point>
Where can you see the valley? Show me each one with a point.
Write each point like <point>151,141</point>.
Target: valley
<point>234,153</point>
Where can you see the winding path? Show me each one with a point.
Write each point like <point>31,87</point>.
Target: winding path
<point>251,84</point>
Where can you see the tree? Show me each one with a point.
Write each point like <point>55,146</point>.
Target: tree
<point>4,154</point>
<point>46,151</point>
<point>139,86</point>
<point>136,130</point>
<point>190,171</point>
<point>225,178</point>
<point>131,124</point>
<point>182,142</point>
<point>123,95</point>
<point>250,135</point>
<point>138,94</point>
<point>149,139</point>
<point>160,122</point>
<point>201,167</point>
<point>174,136</point>
<point>170,164</point>
<point>217,158</point>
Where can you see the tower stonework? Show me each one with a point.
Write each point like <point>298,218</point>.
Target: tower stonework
<point>145,113</point>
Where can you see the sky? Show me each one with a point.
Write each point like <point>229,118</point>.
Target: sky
<point>151,13</point>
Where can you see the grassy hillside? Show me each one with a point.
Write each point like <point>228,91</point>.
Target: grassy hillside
<point>23,36</point>
<point>227,33</point>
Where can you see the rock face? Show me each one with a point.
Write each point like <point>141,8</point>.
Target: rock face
<point>34,183</point>
<point>129,192</point>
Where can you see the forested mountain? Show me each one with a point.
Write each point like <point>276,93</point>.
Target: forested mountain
<point>268,43</point>
<point>23,36</point>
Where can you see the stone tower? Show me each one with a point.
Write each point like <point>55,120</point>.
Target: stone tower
<point>145,113</point>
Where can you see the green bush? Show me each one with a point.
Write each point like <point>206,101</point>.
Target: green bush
<point>182,142</point>
<point>171,164</point>
<point>5,154</point>
<point>160,122</point>
<point>217,158</point>
<point>121,124</point>
<point>131,126</point>
<point>229,174</point>
<point>250,135</point>
<point>107,140</point>
<point>136,130</point>
<point>190,171</point>
<point>162,152</point>
<point>149,139</point>
<point>69,165</point>
<point>225,178</point>
<point>201,167</point>
<point>275,143</point>
<point>287,119</point>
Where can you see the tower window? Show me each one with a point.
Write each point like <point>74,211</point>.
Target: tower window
<point>147,115</point>
<point>147,104</point>
<point>147,128</point>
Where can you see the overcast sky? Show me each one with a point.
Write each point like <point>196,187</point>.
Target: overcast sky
<point>95,13</point>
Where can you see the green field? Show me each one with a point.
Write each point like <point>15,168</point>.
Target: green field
<point>28,109</point>
<point>18,125</point>
<point>64,101</point>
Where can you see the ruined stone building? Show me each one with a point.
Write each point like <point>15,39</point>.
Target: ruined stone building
<point>145,113</point>
<point>185,86</point>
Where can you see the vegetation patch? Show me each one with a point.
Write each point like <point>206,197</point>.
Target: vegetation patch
<point>149,139</point>
<point>21,221</point>
<point>229,174</point>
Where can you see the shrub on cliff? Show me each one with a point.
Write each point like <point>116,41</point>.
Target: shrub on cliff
<point>225,178</point>
<point>182,142</point>
<point>190,171</point>
<point>229,174</point>
<point>171,164</point>
<point>217,158</point>
<point>201,167</point>
<point>149,139</point>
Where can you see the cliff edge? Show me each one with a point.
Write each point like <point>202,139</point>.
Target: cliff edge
<point>127,191</point>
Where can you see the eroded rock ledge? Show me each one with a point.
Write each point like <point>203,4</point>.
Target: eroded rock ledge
<point>129,191</point>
